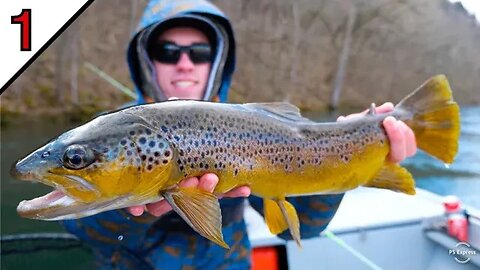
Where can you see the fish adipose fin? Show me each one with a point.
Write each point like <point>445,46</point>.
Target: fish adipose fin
<point>434,117</point>
<point>280,215</point>
<point>200,209</point>
<point>394,177</point>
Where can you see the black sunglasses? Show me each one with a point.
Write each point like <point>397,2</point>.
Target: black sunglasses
<point>169,53</point>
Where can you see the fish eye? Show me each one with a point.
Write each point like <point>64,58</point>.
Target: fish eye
<point>77,157</point>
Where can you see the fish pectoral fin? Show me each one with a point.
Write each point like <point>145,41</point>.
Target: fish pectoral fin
<point>200,209</point>
<point>394,177</point>
<point>280,215</point>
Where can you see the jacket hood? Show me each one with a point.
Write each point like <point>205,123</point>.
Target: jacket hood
<point>162,14</point>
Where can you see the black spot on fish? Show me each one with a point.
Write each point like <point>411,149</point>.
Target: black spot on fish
<point>151,143</point>
<point>157,162</point>
<point>129,153</point>
<point>132,132</point>
<point>142,140</point>
<point>123,142</point>
<point>144,157</point>
<point>149,167</point>
<point>156,154</point>
<point>165,161</point>
<point>167,153</point>
<point>150,159</point>
<point>176,137</point>
<point>164,128</point>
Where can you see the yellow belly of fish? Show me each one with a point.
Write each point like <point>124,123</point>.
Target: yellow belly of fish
<point>332,176</point>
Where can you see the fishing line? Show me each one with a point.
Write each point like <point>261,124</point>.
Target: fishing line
<point>354,252</point>
<point>110,80</point>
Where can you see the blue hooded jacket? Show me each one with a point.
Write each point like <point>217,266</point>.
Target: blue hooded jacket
<point>122,241</point>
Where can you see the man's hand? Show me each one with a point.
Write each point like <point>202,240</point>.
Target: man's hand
<point>401,137</point>
<point>206,182</point>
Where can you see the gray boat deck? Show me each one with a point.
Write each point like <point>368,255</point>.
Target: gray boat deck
<point>386,227</point>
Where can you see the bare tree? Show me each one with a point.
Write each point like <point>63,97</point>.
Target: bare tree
<point>343,59</point>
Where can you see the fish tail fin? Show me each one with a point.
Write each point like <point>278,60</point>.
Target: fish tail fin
<point>434,117</point>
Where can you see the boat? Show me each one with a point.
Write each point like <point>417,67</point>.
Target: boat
<point>374,229</point>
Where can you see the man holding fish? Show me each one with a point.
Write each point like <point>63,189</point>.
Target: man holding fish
<point>186,50</point>
<point>191,55</point>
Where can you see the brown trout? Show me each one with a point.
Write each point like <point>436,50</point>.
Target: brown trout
<point>139,155</point>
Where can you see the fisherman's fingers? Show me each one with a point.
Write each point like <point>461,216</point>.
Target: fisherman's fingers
<point>396,136</point>
<point>242,191</point>
<point>384,108</point>
<point>159,208</point>
<point>208,182</point>
<point>410,142</point>
<point>136,210</point>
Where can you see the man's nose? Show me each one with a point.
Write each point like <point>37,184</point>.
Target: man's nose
<point>184,63</point>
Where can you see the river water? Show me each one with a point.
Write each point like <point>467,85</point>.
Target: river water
<point>462,178</point>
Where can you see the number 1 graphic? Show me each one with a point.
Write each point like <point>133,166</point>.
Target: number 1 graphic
<point>25,21</point>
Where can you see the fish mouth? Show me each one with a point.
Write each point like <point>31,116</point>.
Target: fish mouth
<point>57,205</point>
<point>47,207</point>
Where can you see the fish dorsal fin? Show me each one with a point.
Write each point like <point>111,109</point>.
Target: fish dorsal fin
<point>281,110</point>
